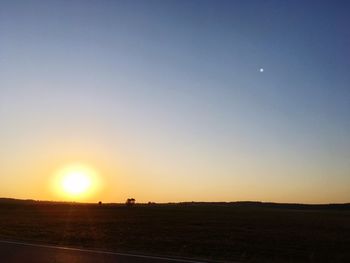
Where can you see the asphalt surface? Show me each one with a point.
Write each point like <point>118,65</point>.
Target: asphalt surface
<point>15,252</point>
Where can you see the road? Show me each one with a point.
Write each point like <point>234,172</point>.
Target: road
<point>18,252</point>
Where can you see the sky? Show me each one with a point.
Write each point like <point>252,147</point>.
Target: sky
<point>166,101</point>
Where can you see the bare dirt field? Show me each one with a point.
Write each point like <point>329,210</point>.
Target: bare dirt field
<point>244,232</point>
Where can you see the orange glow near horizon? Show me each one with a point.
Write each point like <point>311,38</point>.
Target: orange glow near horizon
<point>76,182</point>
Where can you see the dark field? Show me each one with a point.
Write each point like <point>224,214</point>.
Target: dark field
<point>244,232</point>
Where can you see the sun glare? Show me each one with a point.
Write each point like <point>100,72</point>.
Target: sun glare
<point>76,182</point>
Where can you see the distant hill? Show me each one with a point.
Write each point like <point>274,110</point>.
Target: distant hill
<point>255,204</point>
<point>4,200</point>
<point>15,201</point>
<point>247,204</point>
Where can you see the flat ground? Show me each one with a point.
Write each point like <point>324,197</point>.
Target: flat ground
<point>14,252</point>
<point>244,232</point>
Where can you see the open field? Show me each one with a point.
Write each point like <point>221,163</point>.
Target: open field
<point>244,232</point>
<point>19,252</point>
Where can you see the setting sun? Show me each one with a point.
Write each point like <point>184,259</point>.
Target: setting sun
<point>76,182</point>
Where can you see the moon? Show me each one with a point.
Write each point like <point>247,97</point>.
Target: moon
<point>261,70</point>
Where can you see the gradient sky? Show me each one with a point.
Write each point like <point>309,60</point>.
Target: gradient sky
<point>165,98</point>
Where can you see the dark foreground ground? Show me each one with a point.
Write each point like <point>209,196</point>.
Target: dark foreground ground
<point>14,252</point>
<point>244,232</point>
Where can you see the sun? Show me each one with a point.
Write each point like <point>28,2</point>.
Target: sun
<point>76,182</point>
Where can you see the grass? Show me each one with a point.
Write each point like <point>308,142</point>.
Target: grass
<point>244,232</point>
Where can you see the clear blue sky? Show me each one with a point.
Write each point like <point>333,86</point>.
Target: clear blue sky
<point>166,99</point>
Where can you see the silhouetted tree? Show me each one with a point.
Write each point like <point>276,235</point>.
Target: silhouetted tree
<point>99,203</point>
<point>130,201</point>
